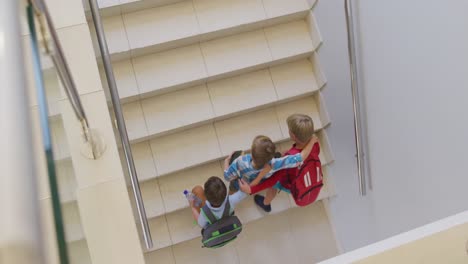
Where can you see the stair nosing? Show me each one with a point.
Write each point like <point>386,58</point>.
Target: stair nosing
<point>149,217</point>
<point>328,195</point>
<point>215,159</point>
<point>224,75</point>
<point>135,52</point>
<point>217,118</point>
<point>82,237</point>
<point>106,11</point>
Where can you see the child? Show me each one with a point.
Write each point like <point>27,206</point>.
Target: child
<point>301,129</point>
<point>215,196</point>
<point>248,167</point>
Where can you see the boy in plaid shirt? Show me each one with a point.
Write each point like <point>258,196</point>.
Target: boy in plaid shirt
<point>248,167</point>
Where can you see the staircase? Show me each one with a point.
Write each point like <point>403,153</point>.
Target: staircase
<point>197,80</point>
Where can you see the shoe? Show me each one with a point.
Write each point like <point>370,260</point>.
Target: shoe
<point>277,155</point>
<point>259,201</point>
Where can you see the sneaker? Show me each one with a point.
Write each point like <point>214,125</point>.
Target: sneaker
<point>259,201</point>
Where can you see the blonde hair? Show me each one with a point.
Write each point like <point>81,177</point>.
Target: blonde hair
<point>301,126</point>
<point>263,150</point>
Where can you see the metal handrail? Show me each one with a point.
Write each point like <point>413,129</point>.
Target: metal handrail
<point>47,140</point>
<point>63,70</point>
<point>120,121</point>
<point>355,96</point>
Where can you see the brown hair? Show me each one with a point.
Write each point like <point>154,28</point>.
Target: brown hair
<point>215,191</point>
<point>301,126</point>
<point>263,151</point>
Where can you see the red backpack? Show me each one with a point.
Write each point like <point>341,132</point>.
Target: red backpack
<point>305,185</point>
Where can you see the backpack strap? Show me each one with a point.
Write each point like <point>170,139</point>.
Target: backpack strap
<point>211,217</point>
<point>313,157</point>
<point>208,214</point>
<point>227,209</point>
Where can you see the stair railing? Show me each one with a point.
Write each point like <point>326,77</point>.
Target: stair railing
<point>358,132</point>
<point>96,16</point>
<point>58,58</point>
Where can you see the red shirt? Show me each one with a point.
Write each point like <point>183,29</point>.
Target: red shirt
<point>280,176</point>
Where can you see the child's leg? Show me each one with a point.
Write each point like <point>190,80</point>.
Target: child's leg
<point>233,187</point>
<point>270,195</point>
<point>200,193</point>
<point>268,183</point>
<point>265,202</point>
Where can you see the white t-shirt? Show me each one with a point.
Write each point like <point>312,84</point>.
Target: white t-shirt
<point>234,199</point>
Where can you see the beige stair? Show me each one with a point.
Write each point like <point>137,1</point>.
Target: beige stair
<point>276,238</point>
<point>199,79</point>
<point>195,64</point>
<point>194,95</point>
<point>161,28</point>
<point>210,102</point>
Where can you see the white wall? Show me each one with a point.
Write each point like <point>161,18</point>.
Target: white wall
<point>414,62</point>
<point>351,214</point>
<point>443,241</point>
<point>414,66</point>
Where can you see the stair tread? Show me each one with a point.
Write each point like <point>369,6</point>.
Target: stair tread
<point>182,23</point>
<point>165,194</point>
<point>143,152</point>
<point>212,60</point>
<point>166,235</point>
<point>219,100</point>
<point>162,147</point>
<point>182,227</point>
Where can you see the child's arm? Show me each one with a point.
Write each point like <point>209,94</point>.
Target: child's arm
<point>308,148</point>
<point>262,174</point>
<point>293,161</point>
<point>226,161</point>
<point>244,186</point>
<point>231,172</point>
<point>195,212</point>
<point>267,183</point>
<point>196,215</point>
<point>238,196</point>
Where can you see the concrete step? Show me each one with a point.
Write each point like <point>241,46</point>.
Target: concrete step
<point>196,146</point>
<point>218,100</point>
<point>297,235</point>
<point>188,22</point>
<point>164,195</point>
<point>178,226</point>
<point>196,64</point>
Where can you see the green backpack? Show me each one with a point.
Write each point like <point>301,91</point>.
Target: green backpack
<point>219,232</point>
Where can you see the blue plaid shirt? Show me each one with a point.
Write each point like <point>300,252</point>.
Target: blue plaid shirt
<point>242,167</point>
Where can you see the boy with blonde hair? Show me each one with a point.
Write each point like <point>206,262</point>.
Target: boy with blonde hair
<point>261,164</point>
<point>301,130</point>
